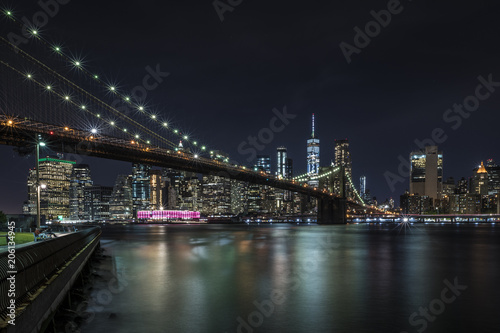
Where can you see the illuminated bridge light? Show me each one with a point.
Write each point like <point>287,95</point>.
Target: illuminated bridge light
<point>77,63</point>
<point>96,76</point>
<point>8,13</point>
<point>195,143</point>
<point>141,108</point>
<point>124,129</point>
<point>185,137</point>
<point>203,148</point>
<point>148,142</point>
<point>112,88</point>
<point>112,123</point>
<point>176,131</point>
<point>48,87</point>
<point>57,49</point>
<point>94,131</point>
<point>34,32</point>
<point>165,124</point>
<point>127,99</point>
<point>28,76</point>
<point>195,155</point>
<point>83,107</point>
<point>153,116</point>
<point>137,136</point>
<point>66,98</point>
<point>98,115</point>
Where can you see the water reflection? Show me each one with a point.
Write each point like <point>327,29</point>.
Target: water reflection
<point>288,278</point>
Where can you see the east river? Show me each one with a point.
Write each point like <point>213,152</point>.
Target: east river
<point>291,278</point>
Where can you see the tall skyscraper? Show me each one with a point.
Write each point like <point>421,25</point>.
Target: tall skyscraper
<point>284,164</point>
<point>121,204</point>
<point>55,175</point>
<point>80,180</point>
<point>156,187</point>
<point>140,187</point>
<point>281,157</point>
<point>362,186</point>
<point>480,181</point>
<point>343,159</point>
<point>426,176</point>
<point>313,154</point>
<point>493,177</point>
<point>343,156</point>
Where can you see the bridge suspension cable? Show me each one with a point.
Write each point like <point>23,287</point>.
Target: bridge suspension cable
<point>151,116</point>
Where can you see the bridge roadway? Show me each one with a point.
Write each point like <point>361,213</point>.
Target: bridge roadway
<point>23,133</point>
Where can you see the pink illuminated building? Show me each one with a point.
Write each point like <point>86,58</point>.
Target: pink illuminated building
<point>168,215</point>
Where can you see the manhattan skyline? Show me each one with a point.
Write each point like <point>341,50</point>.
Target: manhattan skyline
<point>225,80</point>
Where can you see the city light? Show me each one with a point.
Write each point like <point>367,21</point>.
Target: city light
<point>93,131</point>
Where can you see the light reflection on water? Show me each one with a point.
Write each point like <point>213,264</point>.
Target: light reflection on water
<point>288,278</point>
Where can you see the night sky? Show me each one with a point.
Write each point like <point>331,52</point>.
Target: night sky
<point>227,76</point>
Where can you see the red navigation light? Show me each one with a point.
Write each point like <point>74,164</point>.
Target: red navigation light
<point>51,133</point>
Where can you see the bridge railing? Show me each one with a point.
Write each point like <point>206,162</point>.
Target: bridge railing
<point>36,263</point>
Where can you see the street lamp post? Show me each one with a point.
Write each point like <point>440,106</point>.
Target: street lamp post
<point>38,144</point>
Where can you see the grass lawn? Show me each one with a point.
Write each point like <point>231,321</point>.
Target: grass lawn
<point>21,237</point>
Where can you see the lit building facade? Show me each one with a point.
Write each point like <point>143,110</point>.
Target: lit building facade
<point>80,180</point>
<point>480,181</point>
<point>426,175</point>
<point>263,163</point>
<point>140,187</point>
<point>97,202</point>
<point>121,205</point>
<point>313,154</point>
<point>165,215</point>
<point>216,195</point>
<point>55,176</point>
<point>493,177</point>
<point>156,187</point>
<point>343,159</point>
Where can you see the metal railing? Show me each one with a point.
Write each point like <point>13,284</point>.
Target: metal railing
<point>36,263</point>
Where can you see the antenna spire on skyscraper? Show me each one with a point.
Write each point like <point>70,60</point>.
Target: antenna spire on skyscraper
<point>312,126</point>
